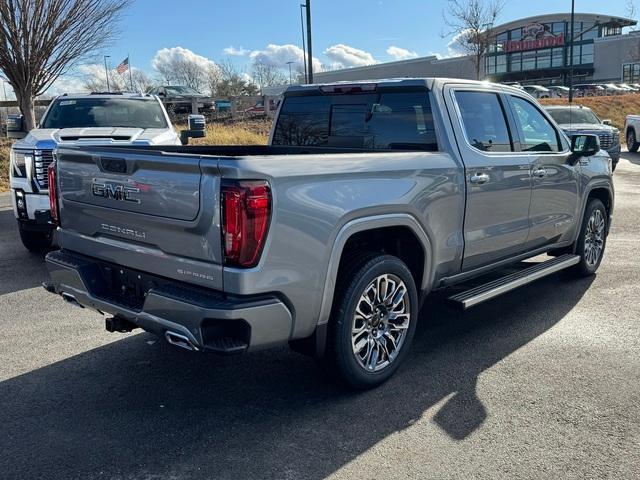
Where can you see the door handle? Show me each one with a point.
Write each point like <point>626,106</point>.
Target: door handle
<point>479,178</point>
<point>540,172</point>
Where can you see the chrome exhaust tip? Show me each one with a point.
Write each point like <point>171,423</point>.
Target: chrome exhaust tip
<point>179,341</point>
<point>67,297</point>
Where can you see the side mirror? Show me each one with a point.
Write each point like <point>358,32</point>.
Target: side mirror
<point>606,121</point>
<point>162,94</point>
<point>197,129</point>
<point>15,126</point>
<point>584,145</point>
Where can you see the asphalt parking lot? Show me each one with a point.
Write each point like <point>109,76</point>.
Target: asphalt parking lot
<point>541,383</point>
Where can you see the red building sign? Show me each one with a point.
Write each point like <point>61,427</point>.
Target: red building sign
<point>534,36</point>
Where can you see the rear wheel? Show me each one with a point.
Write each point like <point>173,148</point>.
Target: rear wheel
<point>632,143</point>
<point>35,240</point>
<point>592,238</point>
<point>373,320</point>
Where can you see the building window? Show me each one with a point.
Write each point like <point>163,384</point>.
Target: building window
<point>516,34</point>
<point>543,58</point>
<point>491,65</point>
<point>528,60</point>
<point>610,31</point>
<point>556,57</point>
<point>590,31</point>
<point>558,27</point>
<point>631,73</point>
<point>587,53</point>
<point>515,62</point>
<point>501,63</point>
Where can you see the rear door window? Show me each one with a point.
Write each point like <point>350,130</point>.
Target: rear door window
<point>383,121</point>
<point>484,121</point>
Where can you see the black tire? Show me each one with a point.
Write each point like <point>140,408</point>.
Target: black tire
<point>632,142</point>
<point>34,240</point>
<point>357,275</point>
<point>588,265</point>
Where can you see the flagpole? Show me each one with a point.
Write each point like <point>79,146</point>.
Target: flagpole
<point>130,76</point>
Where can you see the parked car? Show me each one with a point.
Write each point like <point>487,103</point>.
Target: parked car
<point>178,98</point>
<point>537,91</point>
<point>83,119</point>
<point>558,91</point>
<point>578,119</point>
<point>613,89</point>
<point>371,196</point>
<point>629,88</point>
<point>588,90</point>
<point>259,106</point>
<point>632,132</point>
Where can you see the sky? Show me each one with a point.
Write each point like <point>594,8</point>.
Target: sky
<point>346,33</point>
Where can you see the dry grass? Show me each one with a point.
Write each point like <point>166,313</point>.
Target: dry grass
<point>5,146</point>
<point>247,132</point>
<point>615,107</point>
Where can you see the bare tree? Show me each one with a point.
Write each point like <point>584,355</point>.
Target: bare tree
<point>630,11</point>
<point>266,74</point>
<point>141,81</point>
<point>214,77</point>
<point>234,83</point>
<point>42,39</point>
<point>469,21</point>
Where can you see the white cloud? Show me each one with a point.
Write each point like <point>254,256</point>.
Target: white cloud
<point>455,46</point>
<point>400,53</point>
<point>236,52</point>
<point>166,57</point>
<point>347,56</point>
<point>279,55</point>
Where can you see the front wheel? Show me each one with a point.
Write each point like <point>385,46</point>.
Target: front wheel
<point>632,143</point>
<point>373,321</point>
<point>35,240</point>
<point>592,239</point>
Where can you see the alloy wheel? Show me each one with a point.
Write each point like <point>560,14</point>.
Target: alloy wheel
<point>594,238</point>
<point>380,322</point>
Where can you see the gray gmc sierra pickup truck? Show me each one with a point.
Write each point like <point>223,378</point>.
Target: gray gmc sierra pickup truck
<point>369,197</point>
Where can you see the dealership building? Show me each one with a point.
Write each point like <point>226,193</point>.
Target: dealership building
<point>534,50</point>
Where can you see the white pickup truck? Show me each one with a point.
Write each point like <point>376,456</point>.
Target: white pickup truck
<point>83,119</point>
<point>632,132</point>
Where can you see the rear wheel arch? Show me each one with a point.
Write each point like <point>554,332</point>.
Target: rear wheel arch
<point>411,234</point>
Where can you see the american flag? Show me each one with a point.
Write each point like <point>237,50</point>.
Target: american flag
<point>124,66</point>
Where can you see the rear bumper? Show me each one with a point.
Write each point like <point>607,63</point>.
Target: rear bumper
<point>210,320</point>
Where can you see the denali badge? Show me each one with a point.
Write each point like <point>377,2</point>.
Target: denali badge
<point>117,192</point>
<point>123,230</point>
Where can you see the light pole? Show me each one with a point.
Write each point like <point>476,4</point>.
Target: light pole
<point>304,47</point>
<point>106,71</point>
<point>289,63</point>
<point>309,50</point>
<point>573,13</point>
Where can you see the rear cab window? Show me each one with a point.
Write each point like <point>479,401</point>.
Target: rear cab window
<point>387,120</point>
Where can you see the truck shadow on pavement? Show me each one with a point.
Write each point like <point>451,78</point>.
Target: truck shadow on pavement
<point>132,409</point>
<point>19,268</point>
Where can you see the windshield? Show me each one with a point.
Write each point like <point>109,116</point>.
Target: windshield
<point>105,112</point>
<point>573,115</point>
<point>181,91</point>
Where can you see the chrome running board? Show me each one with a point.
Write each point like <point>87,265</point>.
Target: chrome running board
<point>475,296</point>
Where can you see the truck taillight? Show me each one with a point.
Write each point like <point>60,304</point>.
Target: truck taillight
<point>53,192</point>
<point>246,209</point>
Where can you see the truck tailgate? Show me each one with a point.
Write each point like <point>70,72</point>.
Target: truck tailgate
<point>144,209</point>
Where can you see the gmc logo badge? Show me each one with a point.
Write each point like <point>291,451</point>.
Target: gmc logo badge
<point>116,192</point>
